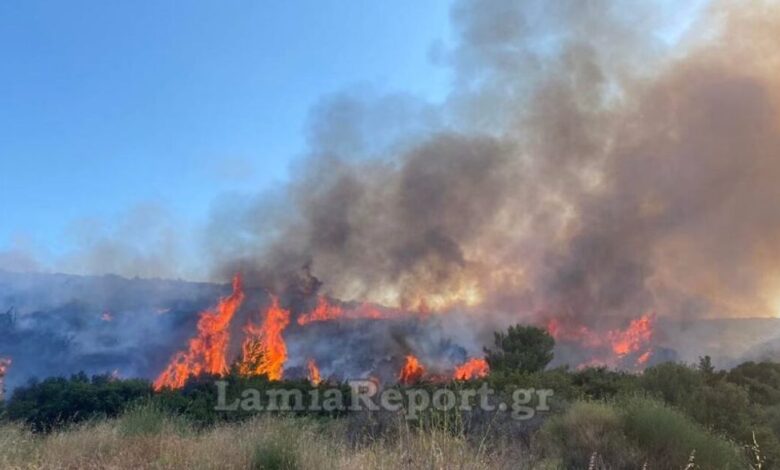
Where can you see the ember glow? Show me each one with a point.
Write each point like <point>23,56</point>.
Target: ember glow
<point>207,352</point>
<point>264,349</point>
<point>472,369</point>
<point>412,371</point>
<point>5,363</point>
<point>314,372</point>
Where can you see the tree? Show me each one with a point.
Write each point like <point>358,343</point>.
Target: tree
<point>705,365</point>
<point>521,348</point>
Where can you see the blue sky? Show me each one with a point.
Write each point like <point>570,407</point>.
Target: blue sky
<point>106,104</point>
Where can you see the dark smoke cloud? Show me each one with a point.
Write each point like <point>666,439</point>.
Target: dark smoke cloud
<point>585,164</point>
<point>588,164</point>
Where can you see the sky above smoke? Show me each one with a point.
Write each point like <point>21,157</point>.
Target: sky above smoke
<point>590,160</point>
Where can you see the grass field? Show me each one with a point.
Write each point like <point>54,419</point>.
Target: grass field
<point>144,440</point>
<point>636,434</point>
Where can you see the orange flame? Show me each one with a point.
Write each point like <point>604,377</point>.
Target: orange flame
<point>314,373</point>
<point>472,369</point>
<point>207,351</point>
<point>634,338</point>
<point>637,338</point>
<point>412,371</point>
<point>264,349</point>
<point>326,311</point>
<point>5,363</point>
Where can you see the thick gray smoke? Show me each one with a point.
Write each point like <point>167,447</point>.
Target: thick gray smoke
<point>56,324</point>
<point>593,161</point>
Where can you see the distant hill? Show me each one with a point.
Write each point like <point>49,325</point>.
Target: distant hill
<point>54,324</point>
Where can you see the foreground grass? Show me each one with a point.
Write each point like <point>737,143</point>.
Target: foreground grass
<point>147,439</point>
<point>629,434</point>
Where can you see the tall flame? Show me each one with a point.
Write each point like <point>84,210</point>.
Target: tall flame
<point>207,351</point>
<point>412,371</point>
<point>314,372</point>
<point>264,349</point>
<point>472,369</point>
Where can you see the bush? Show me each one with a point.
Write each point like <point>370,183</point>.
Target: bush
<point>521,348</point>
<point>587,428</point>
<point>58,401</point>
<point>148,419</point>
<point>667,437</point>
<point>599,383</point>
<point>274,455</point>
<point>762,381</point>
<point>632,432</point>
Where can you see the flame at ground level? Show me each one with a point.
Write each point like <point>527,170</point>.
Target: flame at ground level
<point>314,372</point>
<point>264,349</point>
<point>472,369</point>
<point>5,364</point>
<point>412,371</point>
<point>327,311</point>
<point>206,353</point>
<point>610,347</point>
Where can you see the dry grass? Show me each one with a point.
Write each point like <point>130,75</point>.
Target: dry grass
<point>265,442</point>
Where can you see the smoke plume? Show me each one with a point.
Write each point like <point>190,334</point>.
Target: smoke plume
<point>595,163</point>
<point>592,161</point>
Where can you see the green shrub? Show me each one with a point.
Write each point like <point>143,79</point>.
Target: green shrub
<point>149,419</point>
<point>667,437</point>
<point>275,455</point>
<point>57,401</point>
<point>587,428</point>
<point>522,348</point>
<point>632,432</point>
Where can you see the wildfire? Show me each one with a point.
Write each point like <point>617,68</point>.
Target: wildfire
<point>636,339</point>
<point>5,363</point>
<point>314,372</point>
<point>472,369</point>
<point>326,311</point>
<point>412,371</point>
<point>264,349</point>
<point>207,351</point>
